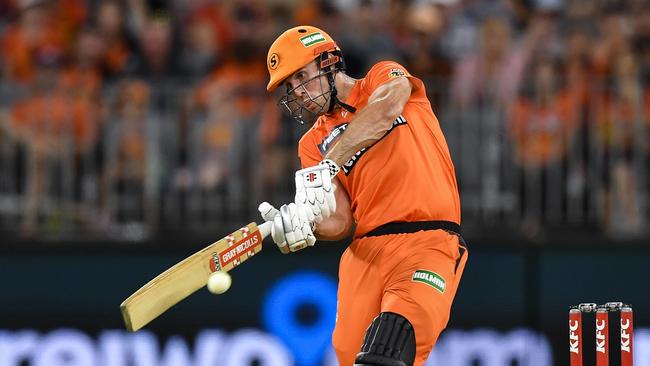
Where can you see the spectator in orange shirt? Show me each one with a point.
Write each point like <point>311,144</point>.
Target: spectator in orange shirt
<point>156,43</point>
<point>424,55</point>
<point>614,40</point>
<point>118,46</point>
<point>240,75</point>
<point>55,126</point>
<point>82,78</point>
<point>207,36</point>
<point>201,48</point>
<point>542,128</point>
<point>621,143</point>
<point>35,32</point>
<point>544,119</point>
<point>60,111</point>
<point>133,157</point>
<point>69,16</point>
<point>579,69</point>
<point>492,76</point>
<point>240,72</point>
<point>226,116</point>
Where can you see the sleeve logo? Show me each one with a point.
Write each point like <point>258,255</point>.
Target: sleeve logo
<point>312,39</point>
<point>347,167</point>
<point>336,133</point>
<point>333,136</point>
<point>393,73</point>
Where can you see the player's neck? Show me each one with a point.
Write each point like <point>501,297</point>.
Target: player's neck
<point>344,85</point>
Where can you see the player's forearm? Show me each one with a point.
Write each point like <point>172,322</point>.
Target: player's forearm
<point>340,224</point>
<point>335,227</point>
<point>368,127</point>
<point>372,122</point>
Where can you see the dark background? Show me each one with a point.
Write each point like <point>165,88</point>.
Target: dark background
<point>504,287</point>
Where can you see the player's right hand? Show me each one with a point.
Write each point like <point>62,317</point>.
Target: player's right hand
<point>291,230</point>
<point>315,190</point>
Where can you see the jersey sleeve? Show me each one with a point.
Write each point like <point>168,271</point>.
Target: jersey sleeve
<point>384,71</point>
<point>308,152</point>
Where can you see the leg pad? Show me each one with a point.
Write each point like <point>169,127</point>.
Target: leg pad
<point>389,341</point>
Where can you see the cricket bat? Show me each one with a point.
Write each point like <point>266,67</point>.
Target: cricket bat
<point>190,274</point>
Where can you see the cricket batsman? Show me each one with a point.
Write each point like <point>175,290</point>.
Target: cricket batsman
<point>375,165</point>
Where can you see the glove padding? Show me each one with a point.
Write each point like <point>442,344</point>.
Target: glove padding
<point>291,229</point>
<point>315,190</point>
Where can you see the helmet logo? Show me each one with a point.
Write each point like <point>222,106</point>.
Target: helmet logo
<point>393,73</point>
<point>329,61</point>
<point>312,39</point>
<point>274,60</point>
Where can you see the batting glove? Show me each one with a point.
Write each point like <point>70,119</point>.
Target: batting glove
<point>315,190</point>
<point>291,229</point>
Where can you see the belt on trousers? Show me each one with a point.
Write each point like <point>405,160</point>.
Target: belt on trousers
<point>413,227</point>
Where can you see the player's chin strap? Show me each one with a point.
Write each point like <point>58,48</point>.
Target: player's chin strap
<point>326,61</point>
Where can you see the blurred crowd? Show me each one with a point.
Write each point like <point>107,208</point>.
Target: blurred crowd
<point>129,116</point>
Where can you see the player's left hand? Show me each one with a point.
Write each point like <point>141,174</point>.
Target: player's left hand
<point>315,190</point>
<point>291,230</point>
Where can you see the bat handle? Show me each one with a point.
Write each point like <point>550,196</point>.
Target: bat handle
<point>265,229</point>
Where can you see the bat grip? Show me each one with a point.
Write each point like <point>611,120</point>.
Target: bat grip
<point>265,229</point>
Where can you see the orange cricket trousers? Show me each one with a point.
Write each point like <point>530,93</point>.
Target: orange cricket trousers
<point>391,273</point>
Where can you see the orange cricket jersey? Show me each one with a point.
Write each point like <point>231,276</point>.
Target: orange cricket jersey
<point>407,175</point>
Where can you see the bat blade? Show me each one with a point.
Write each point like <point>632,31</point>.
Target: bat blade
<point>190,274</point>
